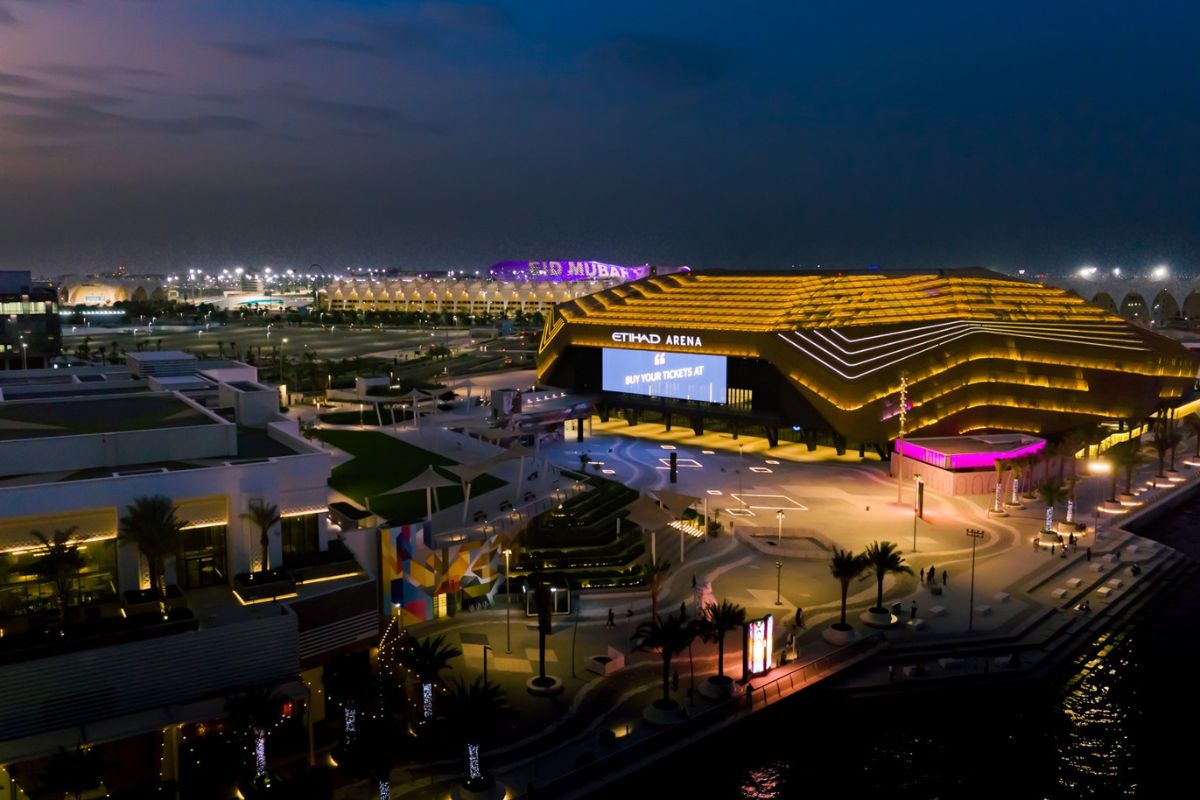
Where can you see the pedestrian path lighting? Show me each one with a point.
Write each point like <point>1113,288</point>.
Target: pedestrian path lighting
<point>779,527</point>
<point>778,582</point>
<point>507,605</point>
<point>975,535</point>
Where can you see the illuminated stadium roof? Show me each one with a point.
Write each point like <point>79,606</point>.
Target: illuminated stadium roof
<point>978,350</point>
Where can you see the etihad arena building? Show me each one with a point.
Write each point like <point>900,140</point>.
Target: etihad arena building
<point>826,356</point>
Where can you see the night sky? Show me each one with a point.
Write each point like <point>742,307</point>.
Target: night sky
<point>185,133</point>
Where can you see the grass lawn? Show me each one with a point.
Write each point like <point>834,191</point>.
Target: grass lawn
<point>382,462</point>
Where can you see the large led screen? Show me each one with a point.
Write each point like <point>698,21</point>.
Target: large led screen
<point>684,376</point>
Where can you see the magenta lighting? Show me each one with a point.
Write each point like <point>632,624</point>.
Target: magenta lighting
<point>966,460</point>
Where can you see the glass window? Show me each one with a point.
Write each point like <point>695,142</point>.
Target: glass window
<point>300,536</point>
<point>23,590</point>
<point>203,557</point>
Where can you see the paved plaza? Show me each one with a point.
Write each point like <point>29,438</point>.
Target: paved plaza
<point>829,501</point>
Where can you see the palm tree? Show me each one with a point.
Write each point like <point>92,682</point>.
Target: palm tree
<point>477,710</point>
<point>1031,464</point>
<point>73,772</point>
<point>846,566</point>
<point>151,524</point>
<point>1017,466</point>
<point>1127,456</point>
<point>1051,493</point>
<point>58,562</point>
<point>669,637</point>
<point>1193,422</point>
<point>1001,466</point>
<point>265,517</point>
<point>254,710</point>
<point>427,659</point>
<point>719,620</point>
<point>1162,442</point>
<point>883,559</point>
<point>657,578</point>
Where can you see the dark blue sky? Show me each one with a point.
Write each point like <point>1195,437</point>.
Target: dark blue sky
<point>175,133</point>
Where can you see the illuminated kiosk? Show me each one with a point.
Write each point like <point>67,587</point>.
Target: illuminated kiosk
<point>758,644</point>
<point>818,357</point>
<point>958,465</point>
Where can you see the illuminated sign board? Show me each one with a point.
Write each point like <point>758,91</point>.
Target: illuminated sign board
<point>683,376</point>
<point>545,271</point>
<point>759,638</point>
<point>670,340</point>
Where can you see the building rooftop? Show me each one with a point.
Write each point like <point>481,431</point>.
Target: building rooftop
<point>72,417</point>
<point>779,302</point>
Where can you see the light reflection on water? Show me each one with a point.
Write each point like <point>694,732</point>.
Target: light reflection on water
<point>1106,732</point>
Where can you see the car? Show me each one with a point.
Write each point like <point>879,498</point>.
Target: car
<point>508,362</point>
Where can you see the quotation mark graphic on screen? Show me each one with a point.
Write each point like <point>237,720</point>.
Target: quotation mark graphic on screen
<point>660,359</point>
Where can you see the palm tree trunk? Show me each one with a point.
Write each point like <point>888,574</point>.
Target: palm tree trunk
<point>666,659</point>
<point>1128,478</point>
<point>845,591</point>
<point>721,654</point>
<point>266,550</point>
<point>879,594</point>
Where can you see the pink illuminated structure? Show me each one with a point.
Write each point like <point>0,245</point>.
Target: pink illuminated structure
<point>967,453</point>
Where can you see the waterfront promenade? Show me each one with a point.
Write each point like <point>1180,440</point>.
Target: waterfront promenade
<point>1024,598</point>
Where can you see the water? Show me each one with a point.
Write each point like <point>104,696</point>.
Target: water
<point>1122,726</point>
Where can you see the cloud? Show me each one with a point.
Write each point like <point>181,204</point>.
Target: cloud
<point>254,51</point>
<point>6,17</point>
<point>96,72</point>
<point>13,81</point>
<point>68,114</point>
<point>335,45</point>
<point>663,62</point>
<point>468,15</point>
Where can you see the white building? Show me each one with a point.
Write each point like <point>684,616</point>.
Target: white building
<point>122,661</point>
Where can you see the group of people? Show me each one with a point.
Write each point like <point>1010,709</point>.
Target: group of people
<point>930,576</point>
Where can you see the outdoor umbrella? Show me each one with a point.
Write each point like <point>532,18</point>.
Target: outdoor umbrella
<point>428,480</point>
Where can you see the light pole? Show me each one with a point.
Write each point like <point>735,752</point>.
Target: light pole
<point>24,355</point>
<point>507,606</point>
<point>900,439</point>
<point>778,582</point>
<point>741,464</point>
<point>975,535</point>
<point>485,652</point>
<point>282,345</point>
<point>779,527</point>
<point>914,547</point>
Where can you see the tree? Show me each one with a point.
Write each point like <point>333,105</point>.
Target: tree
<point>1127,456</point>
<point>846,566</point>
<point>254,710</point>
<point>669,637</point>
<point>657,578</point>
<point>476,711</point>
<point>1164,440</point>
<point>883,559</point>
<point>151,524</point>
<point>1051,492</point>
<point>427,659</point>
<point>73,772</point>
<point>719,620</point>
<point>1018,469</point>
<point>1001,467</point>
<point>1193,422</point>
<point>59,562</point>
<point>264,517</point>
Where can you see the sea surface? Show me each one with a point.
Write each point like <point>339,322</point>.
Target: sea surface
<point>1122,724</point>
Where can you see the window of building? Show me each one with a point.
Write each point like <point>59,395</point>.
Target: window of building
<point>300,536</point>
<point>23,590</point>
<point>203,557</point>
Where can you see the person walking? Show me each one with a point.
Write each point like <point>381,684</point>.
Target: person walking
<point>1052,548</point>
<point>693,580</point>
<point>683,609</point>
<point>922,576</point>
<point>612,621</point>
<point>799,617</point>
<point>913,615</point>
<point>932,577</point>
<point>945,578</point>
<point>1089,554</point>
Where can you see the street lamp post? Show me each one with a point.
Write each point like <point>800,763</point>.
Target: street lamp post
<point>741,464</point>
<point>900,439</point>
<point>24,355</point>
<point>975,535</point>
<point>778,582</point>
<point>779,527</point>
<point>507,605</point>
